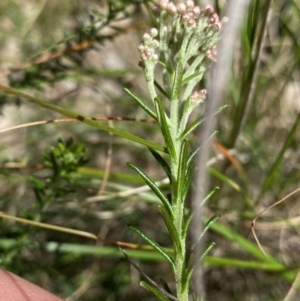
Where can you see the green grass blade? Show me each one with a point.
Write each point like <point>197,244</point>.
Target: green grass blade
<point>275,167</point>
<point>91,122</point>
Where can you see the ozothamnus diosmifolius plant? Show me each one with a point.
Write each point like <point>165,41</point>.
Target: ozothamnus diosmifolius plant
<point>183,45</point>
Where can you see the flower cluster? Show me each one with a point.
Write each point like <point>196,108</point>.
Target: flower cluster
<point>184,43</point>
<point>190,13</point>
<point>174,20</point>
<point>147,48</point>
<point>198,96</point>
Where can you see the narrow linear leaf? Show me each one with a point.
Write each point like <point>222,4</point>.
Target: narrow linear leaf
<point>182,169</point>
<point>186,278</point>
<point>154,291</point>
<point>177,81</point>
<point>208,224</point>
<point>209,194</point>
<point>154,188</point>
<point>188,181</point>
<point>186,224</point>
<point>192,155</point>
<point>163,163</point>
<point>196,123</point>
<point>81,118</point>
<point>190,77</point>
<point>207,250</point>
<point>164,127</point>
<point>161,90</point>
<point>154,245</point>
<point>141,103</point>
<point>190,128</point>
<point>165,285</point>
<point>150,281</point>
<point>171,228</point>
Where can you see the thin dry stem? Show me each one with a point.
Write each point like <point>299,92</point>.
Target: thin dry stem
<point>262,212</point>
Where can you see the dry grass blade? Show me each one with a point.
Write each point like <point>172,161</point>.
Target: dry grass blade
<point>290,296</point>
<point>61,120</point>
<point>69,231</point>
<point>262,212</point>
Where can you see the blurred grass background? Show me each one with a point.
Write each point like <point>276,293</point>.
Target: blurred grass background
<point>79,55</point>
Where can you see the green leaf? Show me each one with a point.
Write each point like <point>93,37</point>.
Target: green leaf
<point>155,245</point>
<point>164,127</point>
<point>162,163</point>
<point>154,290</point>
<point>161,90</point>
<point>171,228</point>
<point>190,128</point>
<point>208,224</point>
<point>196,123</point>
<point>165,285</point>
<point>186,278</point>
<point>177,82</point>
<point>191,156</point>
<point>207,250</point>
<point>209,194</point>
<point>154,188</point>
<point>182,170</point>
<point>194,75</point>
<point>141,103</point>
<point>188,181</point>
<point>186,224</point>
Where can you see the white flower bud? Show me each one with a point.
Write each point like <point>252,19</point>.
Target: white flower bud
<point>190,4</point>
<point>196,10</point>
<point>147,38</point>
<point>154,44</point>
<point>155,57</point>
<point>153,32</point>
<point>141,48</point>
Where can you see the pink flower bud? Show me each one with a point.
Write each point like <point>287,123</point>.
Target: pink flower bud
<point>163,4</point>
<point>171,8</point>
<point>209,10</point>
<point>185,17</point>
<point>155,10</point>
<point>181,8</point>
<point>149,52</point>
